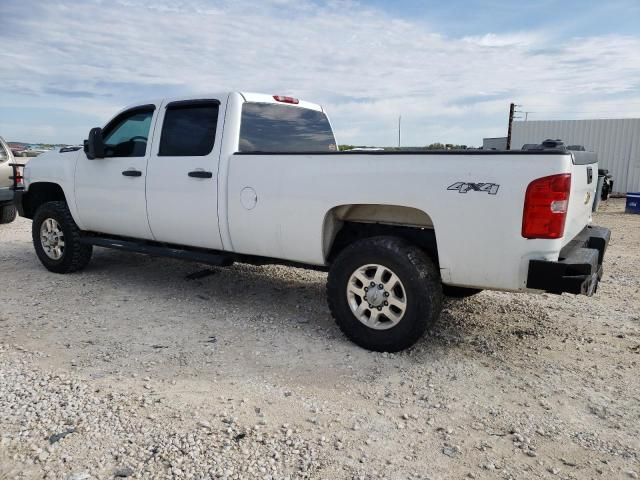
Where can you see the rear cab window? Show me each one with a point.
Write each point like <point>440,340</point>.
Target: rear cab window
<point>189,128</point>
<point>269,127</point>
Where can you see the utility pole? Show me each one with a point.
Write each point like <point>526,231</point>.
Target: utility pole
<point>399,124</point>
<point>512,110</point>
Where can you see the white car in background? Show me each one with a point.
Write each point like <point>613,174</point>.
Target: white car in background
<point>34,151</point>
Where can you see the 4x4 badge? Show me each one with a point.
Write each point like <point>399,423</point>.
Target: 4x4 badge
<point>464,187</point>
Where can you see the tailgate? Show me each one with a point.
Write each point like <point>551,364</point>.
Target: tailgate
<point>584,180</point>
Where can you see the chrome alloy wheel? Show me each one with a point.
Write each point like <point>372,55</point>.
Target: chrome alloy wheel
<point>52,239</point>
<point>376,296</point>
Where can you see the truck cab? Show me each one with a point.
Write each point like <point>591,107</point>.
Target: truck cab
<point>156,149</point>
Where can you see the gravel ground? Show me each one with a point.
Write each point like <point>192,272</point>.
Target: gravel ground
<point>152,368</point>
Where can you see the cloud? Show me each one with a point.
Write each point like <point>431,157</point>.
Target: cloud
<point>365,65</point>
<point>66,92</point>
<point>504,40</point>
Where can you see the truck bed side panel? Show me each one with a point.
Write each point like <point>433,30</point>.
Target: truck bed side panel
<point>478,232</point>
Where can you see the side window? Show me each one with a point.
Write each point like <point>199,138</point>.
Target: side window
<point>127,134</point>
<point>267,127</point>
<point>189,128</point>
<point>3,154</point>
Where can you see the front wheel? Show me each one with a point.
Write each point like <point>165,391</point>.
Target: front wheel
<point>56,239</point>
<point>384,293</point>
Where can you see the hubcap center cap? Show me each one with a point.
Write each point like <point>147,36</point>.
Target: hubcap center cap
<point>375,296</point>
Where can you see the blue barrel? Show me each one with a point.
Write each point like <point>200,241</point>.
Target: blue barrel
<point>633,203</point>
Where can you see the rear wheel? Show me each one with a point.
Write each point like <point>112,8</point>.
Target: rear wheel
<point>56,239</point>
<point>7,214</point>
<point>384,293</point>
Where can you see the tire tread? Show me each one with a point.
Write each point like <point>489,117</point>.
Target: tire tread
<point>77,254</point>
<point>8,214</point>
<point>428,284</point>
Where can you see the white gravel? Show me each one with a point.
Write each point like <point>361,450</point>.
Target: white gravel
<point>131,370</point>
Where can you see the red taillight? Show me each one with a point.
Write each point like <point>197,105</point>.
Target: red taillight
<point>283,99</point>
<point>545,207</point>
<point>17,177</point>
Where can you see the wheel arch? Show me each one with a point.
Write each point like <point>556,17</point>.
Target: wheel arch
<point>39,193</point>
<point>344,224</point>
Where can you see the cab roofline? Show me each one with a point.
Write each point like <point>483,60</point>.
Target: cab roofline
<point>247,96</point>
<point>266,98</point>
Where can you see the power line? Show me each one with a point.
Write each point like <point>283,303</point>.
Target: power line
<point>610,103</point>
<point>555,111</point>
<point>573,111</point>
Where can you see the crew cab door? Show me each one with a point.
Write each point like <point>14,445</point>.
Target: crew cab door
<point>110,191</point>
<point>182,174</point>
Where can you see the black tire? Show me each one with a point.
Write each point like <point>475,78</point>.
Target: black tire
<point>7,214</point>
<point>459,292</point>
<point>418,275</point>
<point>75,255</point>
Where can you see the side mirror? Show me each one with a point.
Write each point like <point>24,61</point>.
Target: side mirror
<point>94,146</point>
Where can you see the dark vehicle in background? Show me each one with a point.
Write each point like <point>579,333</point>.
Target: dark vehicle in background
<point>530,146</point>
<point>607,183</point>
<point>7,208</point>
<point>605,179</point>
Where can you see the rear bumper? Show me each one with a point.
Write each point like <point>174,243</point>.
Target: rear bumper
<point>579,267</point>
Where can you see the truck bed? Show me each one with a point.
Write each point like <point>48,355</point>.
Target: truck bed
<point>473,229</point>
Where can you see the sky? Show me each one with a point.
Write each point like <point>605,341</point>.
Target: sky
<point>449,68</point>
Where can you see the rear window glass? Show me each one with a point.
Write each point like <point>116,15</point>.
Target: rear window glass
<point>268,127</point>
<point>189,129</point>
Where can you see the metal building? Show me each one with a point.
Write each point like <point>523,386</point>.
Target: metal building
<point>494,143</point>
<point>616,141</point>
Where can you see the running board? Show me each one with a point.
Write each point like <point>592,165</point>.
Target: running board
<point>209,257</point>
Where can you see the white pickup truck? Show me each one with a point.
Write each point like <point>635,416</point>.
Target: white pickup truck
<point>257,178</point>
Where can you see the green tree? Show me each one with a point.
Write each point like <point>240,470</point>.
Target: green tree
<point>436,146</point>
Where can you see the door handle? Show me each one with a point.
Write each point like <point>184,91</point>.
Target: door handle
<point>132,173</point>
<point>200,174</point>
